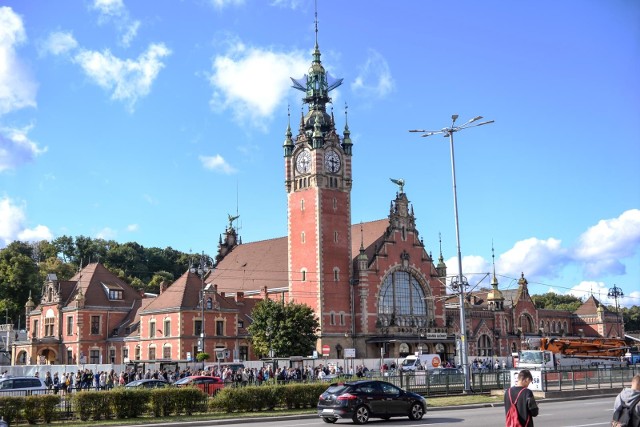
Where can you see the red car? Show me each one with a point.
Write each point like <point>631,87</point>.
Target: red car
<point>210,385</point>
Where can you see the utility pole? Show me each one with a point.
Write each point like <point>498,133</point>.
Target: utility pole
<point>459,283</point>
<point>616,293</point>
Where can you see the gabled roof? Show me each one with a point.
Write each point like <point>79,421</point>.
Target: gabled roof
<point>182,294</point>
<point>90,281</point>
<point>590,307</point>
<point>252,266</point>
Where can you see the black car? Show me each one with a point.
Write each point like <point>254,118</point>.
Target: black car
<point>361,400</point>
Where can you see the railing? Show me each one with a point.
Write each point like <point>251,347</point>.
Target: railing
<point>422,382</point>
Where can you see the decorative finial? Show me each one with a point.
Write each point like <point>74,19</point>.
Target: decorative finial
<point>399,183</point>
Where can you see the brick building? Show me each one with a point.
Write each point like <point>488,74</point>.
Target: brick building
<point>374,286</point>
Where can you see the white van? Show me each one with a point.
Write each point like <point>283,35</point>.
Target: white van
<point>420,362</point>
<point>21,386</point>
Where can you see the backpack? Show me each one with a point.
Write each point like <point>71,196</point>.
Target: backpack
<point>512,413</point>
<point>622,415</point>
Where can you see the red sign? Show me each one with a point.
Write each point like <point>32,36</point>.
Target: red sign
<point>326,350</point>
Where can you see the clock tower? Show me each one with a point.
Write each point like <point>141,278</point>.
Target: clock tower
<point>318,184</point>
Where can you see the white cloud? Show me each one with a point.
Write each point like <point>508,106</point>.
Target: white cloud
<point>12,224</point>
<point>602,246</point>
<point>59,43</point>
<point>288,4</point>
<point>220,4</point>
<point>17,89</point>
<point>374,78</point>
<point>127,80</point>
<point>600,291</point>
<point>534,257</point>
<point>133,227</point>
<point>252,82</point>
<point>115,11</point>
<point>106,233</point>
<point>16,148</point>
<point>40,232</point>
<point>216,163</point>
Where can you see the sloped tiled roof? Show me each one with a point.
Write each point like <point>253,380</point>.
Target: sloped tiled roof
<point>590,307</point>
<point>184,293</point>
<point>254,266</point>
<point>90,281</point>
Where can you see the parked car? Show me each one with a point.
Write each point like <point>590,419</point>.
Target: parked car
<point>364,399</point>
<point>150,383</point>
<point>210,385</point>
<point>22,386</point>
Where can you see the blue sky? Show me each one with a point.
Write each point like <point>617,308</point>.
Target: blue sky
<point>152,121</point>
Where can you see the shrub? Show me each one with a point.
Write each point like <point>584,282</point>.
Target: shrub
<point>10,408</point>
<point>92,404</point>
<point>129,402</point>
<point>189,400</point>
<point>162,401</point>
<point>40,407</point>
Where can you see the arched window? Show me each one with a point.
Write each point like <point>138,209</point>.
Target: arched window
<point>484,346</point>
<point>553,326</point>
<point>402,295</point>
<point>209,303</point>
<point>566,331</point>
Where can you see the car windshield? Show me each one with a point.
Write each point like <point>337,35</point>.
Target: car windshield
<point>531,356</point>
<point>185,380</point>
<point>408,362</point>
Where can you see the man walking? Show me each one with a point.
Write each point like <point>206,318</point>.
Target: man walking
<point>630,398</point>
<point>522,399</point>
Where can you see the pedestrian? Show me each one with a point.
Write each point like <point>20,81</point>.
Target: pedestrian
<point>628,398</point>
<point>522,399</point>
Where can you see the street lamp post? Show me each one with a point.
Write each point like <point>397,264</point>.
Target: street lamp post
<point>201,270</point>
<point>616,293</point>
<point>459,283</point>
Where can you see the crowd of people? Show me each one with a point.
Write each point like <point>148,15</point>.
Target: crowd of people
<point>87,379</point>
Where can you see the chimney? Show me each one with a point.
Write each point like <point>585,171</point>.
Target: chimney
<point>239,297</point>
<point>163,287</point>
<point>264,293</point>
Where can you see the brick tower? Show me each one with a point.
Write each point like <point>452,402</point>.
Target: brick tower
<point>318,184</point>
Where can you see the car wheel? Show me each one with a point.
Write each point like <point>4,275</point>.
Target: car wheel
<point>329,420</point>
<point>361,415</point>
<point>417,412</point>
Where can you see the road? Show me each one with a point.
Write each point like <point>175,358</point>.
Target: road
<point>573,413</point>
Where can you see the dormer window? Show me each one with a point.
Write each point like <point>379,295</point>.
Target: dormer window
<point>113,291</point>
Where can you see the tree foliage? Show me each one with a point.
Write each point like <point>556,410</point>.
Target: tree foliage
<point>631,318</point>
<point>289,329</point>
<point>24,266</point>
<point>553,301</point>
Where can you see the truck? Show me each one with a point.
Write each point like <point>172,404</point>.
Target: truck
<point>568,353</point>
<point>420,362</point>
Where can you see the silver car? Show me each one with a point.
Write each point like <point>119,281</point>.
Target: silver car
<point>22,386</point>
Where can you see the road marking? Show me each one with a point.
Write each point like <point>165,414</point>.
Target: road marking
<point>608,423</point>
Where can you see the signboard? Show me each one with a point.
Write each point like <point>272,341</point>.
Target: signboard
<point>436,335</point>
<point>349,353</point>
<point>326,350</point>
<point>536,384</point>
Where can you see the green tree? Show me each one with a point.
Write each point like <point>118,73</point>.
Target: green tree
<point>631,318</point>
<point>18,277</point>
<point>553,301</point>
<point>289,329</point>
<point>159,276</point>
<point>63,270</point>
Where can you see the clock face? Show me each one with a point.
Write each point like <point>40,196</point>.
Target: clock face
<point>332,161</point>
<point>303,162</point>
